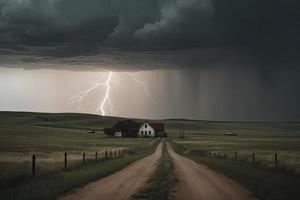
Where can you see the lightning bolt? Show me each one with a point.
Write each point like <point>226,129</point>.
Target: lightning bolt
<point>106,97</point>
<point>82,94</point>
<point>107,82</point>
<point>134,76</point>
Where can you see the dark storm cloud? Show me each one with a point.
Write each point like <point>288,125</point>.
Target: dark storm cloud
<point>150,34</point>
<point>239,59</point>
<point>45,23</point>
<point>78,27</point>
<point>120,60</point>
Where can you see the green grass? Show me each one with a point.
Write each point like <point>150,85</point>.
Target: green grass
<point>48,136</point>
<point>162,181</point>
<point>27,132</point>
<point>264,147</point>
<point>264,182</point>
<point>52,187</point>
<point>242,129</point>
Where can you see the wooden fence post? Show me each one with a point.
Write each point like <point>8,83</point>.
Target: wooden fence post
<point>105,153</point>
<point>276,160</point>
<point>235,155</point>
<point>33,165</point>
<point>66,160</point>
<point>83,158</point>
<point>253,158</point>
<point>96,156</point>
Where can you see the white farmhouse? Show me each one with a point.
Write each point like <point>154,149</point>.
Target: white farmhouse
<point>146,130</point>
<point>152,130</point>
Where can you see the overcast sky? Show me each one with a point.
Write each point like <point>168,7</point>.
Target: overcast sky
<point>203,59</point>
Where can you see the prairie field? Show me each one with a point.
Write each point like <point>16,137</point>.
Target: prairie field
<point>265,180</point>
<point>49,136</point>
<point>264,148</point>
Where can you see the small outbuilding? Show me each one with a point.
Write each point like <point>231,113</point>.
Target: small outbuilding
<point>230,134</point>
<point>91,131</point>
<point>118,134</point>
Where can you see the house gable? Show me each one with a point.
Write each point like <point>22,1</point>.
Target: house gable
<point>151,130</point>
<point>146,130</point>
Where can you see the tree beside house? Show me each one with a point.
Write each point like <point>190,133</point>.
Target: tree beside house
<point>125,128</point>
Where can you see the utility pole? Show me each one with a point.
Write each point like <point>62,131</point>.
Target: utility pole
<point>182,133</point>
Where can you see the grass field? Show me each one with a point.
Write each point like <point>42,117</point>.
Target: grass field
<point>48,136</point>
<point>262,178</point>
<point>264,147</point>
<point>263,139</point>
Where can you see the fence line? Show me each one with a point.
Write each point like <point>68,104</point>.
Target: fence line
<point>33,166</point>
<point>220,154</point>
<point>252,158</point>
<point>66,160</point>
<point>113,154</point>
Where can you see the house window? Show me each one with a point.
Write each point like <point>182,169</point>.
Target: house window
<point>142,132</point>
<point>145,125</point>
<point>149,133</point>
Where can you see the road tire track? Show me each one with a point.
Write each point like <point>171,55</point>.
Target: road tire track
<point>197,182</point>
<point>120,185</point>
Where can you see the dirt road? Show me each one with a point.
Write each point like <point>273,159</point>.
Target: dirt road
<point>197,182</point>
<point>120,185</point>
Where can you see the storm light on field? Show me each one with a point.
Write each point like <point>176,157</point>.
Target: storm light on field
<point>211,94</point>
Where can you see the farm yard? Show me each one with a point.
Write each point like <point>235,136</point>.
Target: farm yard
<point>50,136</point>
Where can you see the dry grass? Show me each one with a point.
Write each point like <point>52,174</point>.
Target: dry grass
<point>264,147</point>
